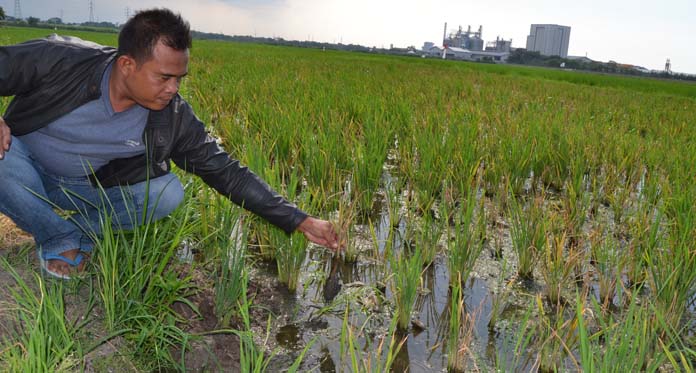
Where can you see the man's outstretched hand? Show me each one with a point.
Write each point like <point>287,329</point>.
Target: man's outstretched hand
<point>321,232</point>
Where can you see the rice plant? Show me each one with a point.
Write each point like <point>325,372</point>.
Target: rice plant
<point>371,359</point>
<point>429,234</point>
<point>291,255</point>
<point>231,272</point>
<point>577,201</point>
<point>558,262</point>
<point>528,230</point>
<point>672,269</point>
<point>44,340</point>
<point>460,357</point>
<point>606,261</point>
<point>407,270</point>
<point>347,214</point>
<point>464,243</point>
<point>251,357</point>
<point>557,338</point>
<point>500,296</point>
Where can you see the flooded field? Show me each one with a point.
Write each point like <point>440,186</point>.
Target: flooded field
<point>496,218</point>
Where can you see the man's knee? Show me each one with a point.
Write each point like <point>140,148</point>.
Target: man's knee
<point>165,195</point>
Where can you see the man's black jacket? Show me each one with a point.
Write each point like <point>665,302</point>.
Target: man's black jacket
<point>51,77</point>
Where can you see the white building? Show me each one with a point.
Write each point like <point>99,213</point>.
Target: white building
<point>465,54</point>
<point>549,40</point>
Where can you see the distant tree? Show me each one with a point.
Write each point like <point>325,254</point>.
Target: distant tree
<point>54,21</point>
<point>2,14</point>
<point>33,21</point>
<point>99,24</point>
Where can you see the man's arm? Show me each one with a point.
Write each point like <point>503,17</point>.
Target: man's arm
<point>19,70</point>
<point>197,152</point>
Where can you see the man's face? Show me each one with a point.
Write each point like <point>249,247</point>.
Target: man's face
<point>154,83</point>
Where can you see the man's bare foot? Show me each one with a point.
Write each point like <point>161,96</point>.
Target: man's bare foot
<point>63,268</point>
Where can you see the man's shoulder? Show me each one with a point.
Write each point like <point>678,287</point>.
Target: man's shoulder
<point>55,41</point>
<point>73,41</point>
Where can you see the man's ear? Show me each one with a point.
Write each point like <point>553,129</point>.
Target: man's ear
<point>126,64</point>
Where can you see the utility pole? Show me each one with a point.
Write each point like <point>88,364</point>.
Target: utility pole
<point>18,10</point>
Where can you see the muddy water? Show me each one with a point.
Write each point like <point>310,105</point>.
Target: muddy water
<point>328,286</point>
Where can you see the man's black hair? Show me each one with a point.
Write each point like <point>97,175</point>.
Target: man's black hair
<point>141,33</point>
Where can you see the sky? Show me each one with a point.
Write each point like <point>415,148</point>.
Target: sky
<point>638,32</point>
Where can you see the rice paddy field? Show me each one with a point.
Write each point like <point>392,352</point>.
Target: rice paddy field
<point>496,218</point>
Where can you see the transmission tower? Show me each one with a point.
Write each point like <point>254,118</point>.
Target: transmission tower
<point>18,10</point>
<point>127,13</point>
<point>91,11</point>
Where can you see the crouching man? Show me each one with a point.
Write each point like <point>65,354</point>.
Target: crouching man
<point>90,123</point>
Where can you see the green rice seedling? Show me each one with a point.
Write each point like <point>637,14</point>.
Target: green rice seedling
<point>393,202</point>
<point>672,269</point>
<point>557,266</point>
<point>646,237</point>
<point>429,235</point>
<point>369,155</point>
<point>516,355</point>
<point>137,289</point>
<point>461,333</point>
<point>289,250</point>
<point>407,270</point>
<point>528,230</point>
<point>606,261</point>
<point>44,340</point>
<point>464,244</point>
<point>231,272</point>
<point>268,237</point>
<point>367,359</point>
<point>291,255</point>
<point>455,360</point>
<point>430,147</point>
<point>652,345</point>
<point>557,338</point>
<point>382,242</point>
<point>251,357</point>
<point>622,179</point>
<point>500,296</point>
<point>556,158</point>
<point>586,351</point>
<point>344,223</point>
<point>576,202</point>
<point>516,155</point>
<point>141,276</point>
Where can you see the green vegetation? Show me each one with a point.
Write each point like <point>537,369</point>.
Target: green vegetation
<point>585,180</point>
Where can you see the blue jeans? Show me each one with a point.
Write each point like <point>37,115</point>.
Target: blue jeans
<point>29,196</point>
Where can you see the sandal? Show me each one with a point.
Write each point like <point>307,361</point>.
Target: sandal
<point>43,259</point>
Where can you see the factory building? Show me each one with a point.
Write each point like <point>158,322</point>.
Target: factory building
<point>465,39</point>
<point>468,45</point>
<point>549,40</point>
<point>499,45</point>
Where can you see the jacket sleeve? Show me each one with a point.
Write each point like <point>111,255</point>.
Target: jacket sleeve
<point>20,71</point>
<point>199,153</point>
